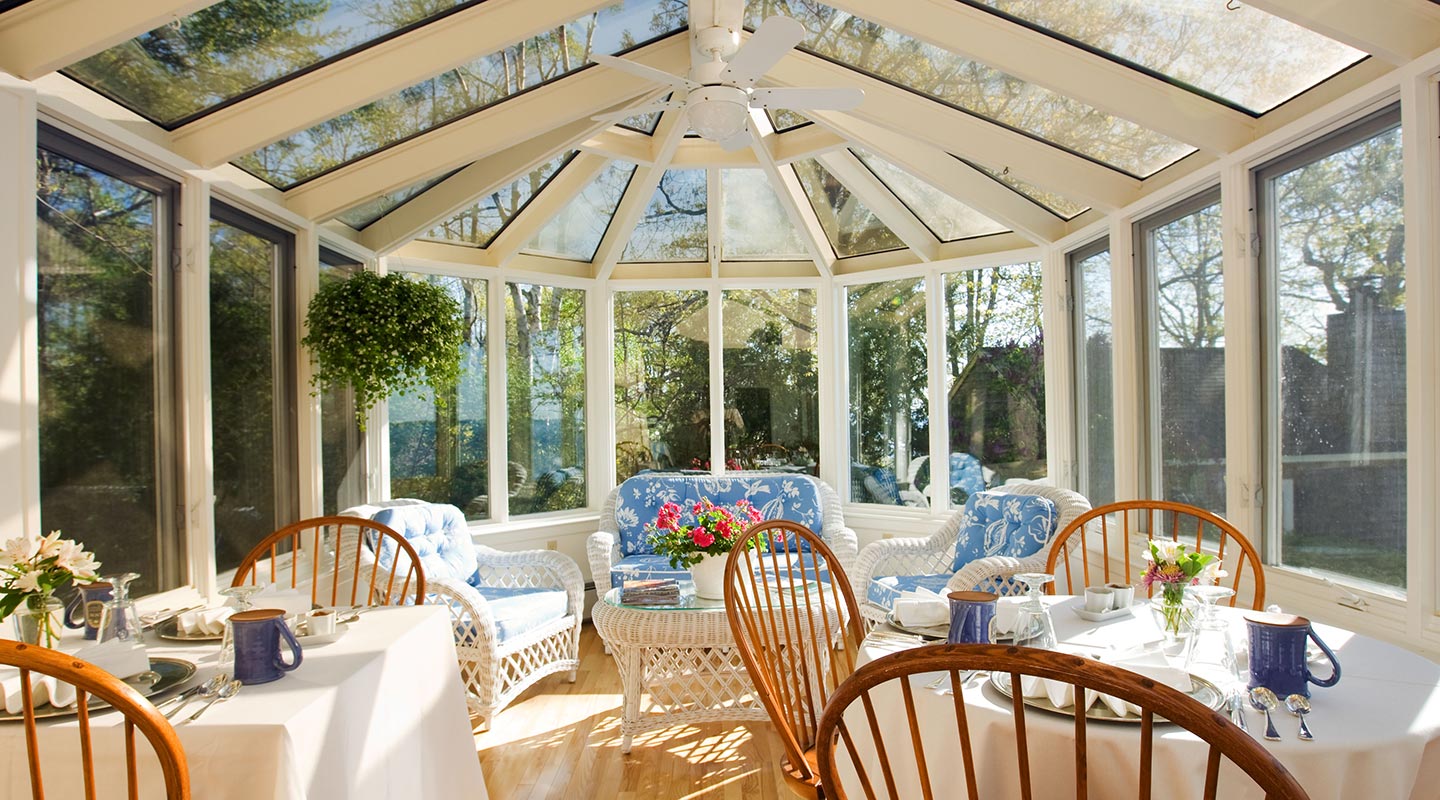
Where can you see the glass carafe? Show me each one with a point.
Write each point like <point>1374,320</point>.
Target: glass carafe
<point>119,620</point>
<point>1209,652</point>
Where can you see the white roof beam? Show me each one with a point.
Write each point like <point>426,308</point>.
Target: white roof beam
<point>877,196</point>
<point>637,148</point>
<point>1397,31</point>
<point>46,35</point>
<point>505,124</point>
<point>621,143</point>
<point>941,126</point>
<point>792,198</point>
<point>804,142</point>
<point>636,199</point>
<point>372,73</point>
<point>1047,61</point>
<point>544,206</point>
<point>954,177</point>
<point>459,190</point>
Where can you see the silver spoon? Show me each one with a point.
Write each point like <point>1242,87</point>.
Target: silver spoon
<point>207,689</point>
<point>1299,705</point>
<point>1266,701</point>
<point>229,691</point>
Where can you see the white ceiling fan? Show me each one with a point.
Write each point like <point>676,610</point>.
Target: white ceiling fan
<point>720,90</point>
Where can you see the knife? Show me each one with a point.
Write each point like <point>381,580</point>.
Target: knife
<point>1237,711</point>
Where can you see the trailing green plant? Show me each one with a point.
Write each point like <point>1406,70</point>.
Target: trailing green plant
<point>384,335</point>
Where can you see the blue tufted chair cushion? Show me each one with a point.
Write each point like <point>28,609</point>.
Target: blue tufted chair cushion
<point>440,537</point>
<point>791,497</point>
<point>998,524</point>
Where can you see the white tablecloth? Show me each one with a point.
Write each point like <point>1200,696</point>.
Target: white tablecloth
<point>1377,732</point>
<point>379,713</point>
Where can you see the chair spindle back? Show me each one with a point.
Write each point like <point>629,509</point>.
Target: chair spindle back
<point>341,558</point>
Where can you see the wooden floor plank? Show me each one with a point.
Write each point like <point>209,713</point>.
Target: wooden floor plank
<point>562,740</point>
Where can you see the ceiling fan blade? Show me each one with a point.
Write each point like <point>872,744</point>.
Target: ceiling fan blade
<point>626,113</point>
<point>739,141</point>
<point>680,82</point>
<point>830,99</point>
<point>774,38</point>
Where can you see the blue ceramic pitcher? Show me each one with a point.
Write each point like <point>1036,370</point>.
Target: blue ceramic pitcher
<point>972,617</point>
<point>256,635</point>
<point>1277,654</point>
<point>85,608</point>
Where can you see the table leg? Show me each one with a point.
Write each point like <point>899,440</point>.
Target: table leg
<point>632,681</point>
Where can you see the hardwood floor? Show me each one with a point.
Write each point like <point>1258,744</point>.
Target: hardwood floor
<point>562,740</point>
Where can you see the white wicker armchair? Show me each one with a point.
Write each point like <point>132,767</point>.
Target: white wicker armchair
<point>935,554</point>
<point>606,549</point>
<point>505,642</point>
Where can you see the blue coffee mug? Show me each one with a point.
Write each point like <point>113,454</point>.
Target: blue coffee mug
<point>89,603</point>
<point>256,637</point>
<point>972,617</point>
<point>1277,654</point>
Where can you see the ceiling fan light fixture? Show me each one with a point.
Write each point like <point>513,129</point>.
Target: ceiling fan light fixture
<point>718,112</point>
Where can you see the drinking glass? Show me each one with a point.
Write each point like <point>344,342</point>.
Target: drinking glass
<point>243,597</point>
<point>1033,626</point>
<point>119,618</point>
<point>1209,652</point>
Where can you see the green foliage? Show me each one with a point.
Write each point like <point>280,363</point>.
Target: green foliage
<point>384,335</point>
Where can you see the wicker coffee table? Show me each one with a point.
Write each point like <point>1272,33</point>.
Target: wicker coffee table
<point>681,658</point>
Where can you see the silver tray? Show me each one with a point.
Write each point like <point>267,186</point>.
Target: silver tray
<point>925,631</point>
<point>170,630</point>
<point>1203,692</point>
<point>172,672</point>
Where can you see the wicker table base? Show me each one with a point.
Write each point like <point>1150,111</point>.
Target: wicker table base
<point>676,665</point>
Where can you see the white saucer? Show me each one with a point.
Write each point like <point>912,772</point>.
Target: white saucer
<point>1102,616</point>
<point>327,638</point>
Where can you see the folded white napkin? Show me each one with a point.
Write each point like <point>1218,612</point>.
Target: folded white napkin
<point>122,659</point>
<point>1151,664</point>
<point>921,607</point>
<point>1006,611</point>
<point>206,622</point>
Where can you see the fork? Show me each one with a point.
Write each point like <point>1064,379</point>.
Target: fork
<point>230,690</point>
<point>206,689</point>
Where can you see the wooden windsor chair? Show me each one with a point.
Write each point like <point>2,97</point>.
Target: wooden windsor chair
<point>798,630</point>
<point>886,757</point>
<point>1108,544</point>
<point>92,682</point>
<point>357,550</point>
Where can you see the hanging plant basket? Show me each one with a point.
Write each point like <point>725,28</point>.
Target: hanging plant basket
<point>384,335</point>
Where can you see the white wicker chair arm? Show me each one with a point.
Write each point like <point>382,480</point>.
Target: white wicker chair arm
<point>909,556</point>
<point>470,614</point>
<point>533,568</point>
<point>846,547</point>
<point>988,574</point>
<point>603,549</point>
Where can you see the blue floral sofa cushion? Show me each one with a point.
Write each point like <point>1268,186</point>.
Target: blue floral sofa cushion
<point>790,497</point>
<point>998,524</point>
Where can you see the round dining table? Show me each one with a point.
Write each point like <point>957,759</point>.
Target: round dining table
<point>1377,732</point>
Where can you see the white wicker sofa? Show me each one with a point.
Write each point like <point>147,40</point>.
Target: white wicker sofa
<point>516,615</point>
<point>621,550</point>
<point>887,567</point>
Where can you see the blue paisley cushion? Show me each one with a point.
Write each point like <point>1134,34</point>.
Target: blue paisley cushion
<point>440,536</point>
<point>790,497</point>
<point>998,524</point>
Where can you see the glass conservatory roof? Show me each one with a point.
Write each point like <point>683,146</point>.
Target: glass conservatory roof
<point>814,187</point>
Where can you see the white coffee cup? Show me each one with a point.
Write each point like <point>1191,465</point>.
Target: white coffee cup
<point>321,622</point>
<point>1122,595</point>
<point>1098,599</point>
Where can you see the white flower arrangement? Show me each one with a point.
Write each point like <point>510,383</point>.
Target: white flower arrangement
<point>31,571</point>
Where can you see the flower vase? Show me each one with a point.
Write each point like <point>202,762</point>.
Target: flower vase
<point>1174,614</point>
<point>708,574</point>
<point>37,620</point>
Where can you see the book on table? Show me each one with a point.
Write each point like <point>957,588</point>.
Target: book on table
<point>650,592</point>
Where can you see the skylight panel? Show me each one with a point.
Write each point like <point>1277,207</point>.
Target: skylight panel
<point>974,87</point>
<point>462,90</point>
<point>1247,57</point>
<point>229,49</point>
<point>675,226</point>
<point>365,214</point>
<point>783,119</point>
<point>480,223</point>
<point>575,232</point>
<point>1057,204</point>
<point>947,218</point>
<point>753,224</point>
<point>853,229</point>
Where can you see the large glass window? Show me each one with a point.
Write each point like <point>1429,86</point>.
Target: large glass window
<point>252,387</point>
<point>753,224</point>
<point>545,386</point>
<point>947,218</point>
<point>576,231</point>
<point>1333,228</point>
<point>889,409</point>
<point>1094,334</point>
<point>342,443</point>
<point>995,379</point>
<point>440,452</point>
<point>853,229</point>
<point>482,221</point>
<point>674,227</point>
<point>108,434</point>
<point>364,215</point>
<point>772,385</point>
<point>662,381</point>
<point>1182,266</point>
